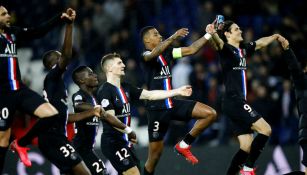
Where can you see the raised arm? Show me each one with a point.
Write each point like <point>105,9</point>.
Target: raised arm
<point>163,45</point>
<point>218,43</point>
<point>67,45</point>
<point>265,41</point>
<point>162,94</point>
<point>195,46</point>
<point>44,28</point>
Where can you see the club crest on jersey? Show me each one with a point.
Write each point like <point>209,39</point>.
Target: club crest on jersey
<point>105,103</point>
<point>10,49</point>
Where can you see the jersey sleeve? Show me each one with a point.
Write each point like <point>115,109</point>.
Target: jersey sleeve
<point>39,31</point>
<point>249,47</point>
<point>104,97</point>
<point>135,92</point>
<point>77,99</point>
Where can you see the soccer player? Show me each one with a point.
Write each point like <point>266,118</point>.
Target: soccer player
<point>233,52</point>
<point>116,97</point>
<point>158,57</point>
<point>53,142</point>
<point>14,95</point>
<point>86,128</point>
<point>299,79</point>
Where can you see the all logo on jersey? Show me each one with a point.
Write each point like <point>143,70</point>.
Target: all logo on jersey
<point>126,108</point>
<point>165,70</point>
<point>242,62</point>
<point>10,49</point>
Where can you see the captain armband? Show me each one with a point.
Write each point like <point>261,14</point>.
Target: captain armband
<point>177,53</point>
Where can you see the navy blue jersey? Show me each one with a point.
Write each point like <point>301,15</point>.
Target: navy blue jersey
<point>86,129</point>
<point>117,99</point>
<point>233,62</point>
<point>10,78</point>
<point>159,77</point>
<point>55,92</point>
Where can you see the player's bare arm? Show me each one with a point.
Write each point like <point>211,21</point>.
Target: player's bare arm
<point>265,41</point>
<point>218,42</point>
<point>194,47</point>
<point>164,44</point>
<point>67,45</point>
<point>85,114</point>
<point>109,116</point>
<point>162,94</point>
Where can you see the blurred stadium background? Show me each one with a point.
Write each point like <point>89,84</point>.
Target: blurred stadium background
<point>104,26</point>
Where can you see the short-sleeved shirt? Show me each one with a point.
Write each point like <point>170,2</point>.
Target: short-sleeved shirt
<point>159,77</point>
<point>111,97</point>
<point>233,62</point>
<point>55,92</point>
<point>85,130</point>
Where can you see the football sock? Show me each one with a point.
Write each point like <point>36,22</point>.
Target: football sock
<point>238,159</point>
<point>256,149</point>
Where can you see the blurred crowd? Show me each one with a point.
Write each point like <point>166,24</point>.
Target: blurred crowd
<point>104,26</point>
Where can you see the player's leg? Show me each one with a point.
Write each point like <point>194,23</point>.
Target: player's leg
<point>205,115</point>
<point>121,156</point>
<point>155,150</point>
<point>132,171</point>
<point>59,151</point>
<point>81,169</point>
<point>264,131</point>
<point>93,163</point>
<point>158,122</point>
<point>34,104</point>
<point>4,143</point>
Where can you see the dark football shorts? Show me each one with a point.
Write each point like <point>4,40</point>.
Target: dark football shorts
<point>59,151</point>
<point>121,156</point>
<point>241,114</point>
<point>159,120</point>
<point>91,160</point>
<point>24,100</point>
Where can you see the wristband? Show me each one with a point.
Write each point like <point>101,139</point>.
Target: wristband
<point>127,130</point>
<point>207,36</point>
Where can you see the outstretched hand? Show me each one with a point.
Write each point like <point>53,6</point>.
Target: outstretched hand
<point>70,15</point>
<point>183,32</point>
<point>185,90</point>
<point>283,41</point>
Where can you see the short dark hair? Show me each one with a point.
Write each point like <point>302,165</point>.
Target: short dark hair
<point>144,31</point>
<point>225,28</point>
<point>47,57</point>
<point>107,57</point>
<point>76,72</point>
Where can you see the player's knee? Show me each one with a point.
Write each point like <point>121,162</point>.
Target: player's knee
<point>245,147</point>
<point>266,130</point>
<point>212,114</point>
